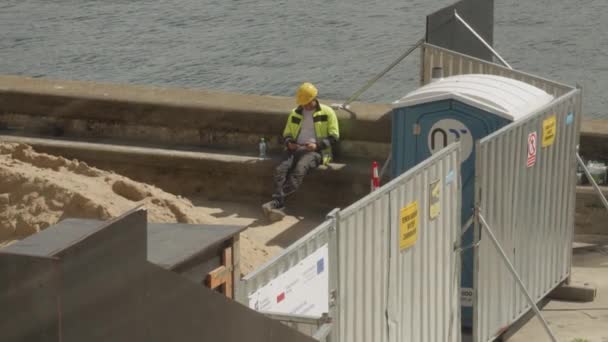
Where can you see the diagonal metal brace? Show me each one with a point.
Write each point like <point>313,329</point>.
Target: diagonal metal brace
<point>458,249</point>
<point>463,22</point>
<point>505,258</point>
<point>380,75</point>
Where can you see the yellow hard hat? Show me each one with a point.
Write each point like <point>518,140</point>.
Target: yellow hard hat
<point>306,93</point>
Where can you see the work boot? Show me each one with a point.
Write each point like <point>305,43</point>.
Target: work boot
<point>274,210</point>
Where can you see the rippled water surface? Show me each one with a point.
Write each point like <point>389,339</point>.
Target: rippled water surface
<point>269,47</point>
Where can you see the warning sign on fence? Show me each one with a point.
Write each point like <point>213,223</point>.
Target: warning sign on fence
<point>435,199</point>
<point>549,131</point>
<point>532,148</point>
<point>408,225</point>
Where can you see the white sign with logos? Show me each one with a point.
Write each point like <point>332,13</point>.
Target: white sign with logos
<point>448,131</point>
<point>301,290</point>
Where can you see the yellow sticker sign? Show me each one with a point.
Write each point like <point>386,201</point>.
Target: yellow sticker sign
<point>435,199</point>
<point>408,225</point>
<point>549,131</point>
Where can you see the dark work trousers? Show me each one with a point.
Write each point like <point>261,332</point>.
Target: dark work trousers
<point>289,175</point>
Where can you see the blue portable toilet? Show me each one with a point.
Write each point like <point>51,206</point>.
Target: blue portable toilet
<point>461,108</point>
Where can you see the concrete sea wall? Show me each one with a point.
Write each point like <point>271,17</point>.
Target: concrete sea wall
<point>190,141</point>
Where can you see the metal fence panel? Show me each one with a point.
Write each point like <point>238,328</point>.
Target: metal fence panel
<point>454,63</point>
<point>425,289</point>
<point>388,294</point>
<point>362,244</point>
<point>530,207</point>
<point>289,258</point>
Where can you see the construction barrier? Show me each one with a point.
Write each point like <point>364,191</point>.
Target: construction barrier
<point>397,266</point>
<point>392,260</point>
<point>292,287</point>
<point>282,284</point>
<point>454,63</point>
<point>525,191</point>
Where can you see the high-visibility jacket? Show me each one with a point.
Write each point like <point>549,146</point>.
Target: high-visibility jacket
<point>326,129</point>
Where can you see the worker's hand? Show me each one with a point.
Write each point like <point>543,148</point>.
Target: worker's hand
<point>292,146</point>
<point>311,147</point>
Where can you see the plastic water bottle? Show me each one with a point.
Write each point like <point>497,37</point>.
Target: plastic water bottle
<point>263,148</point>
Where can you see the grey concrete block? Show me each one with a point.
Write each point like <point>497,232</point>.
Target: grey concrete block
<point>584,292</point>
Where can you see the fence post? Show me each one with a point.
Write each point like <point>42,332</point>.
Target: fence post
<point>334,275</point>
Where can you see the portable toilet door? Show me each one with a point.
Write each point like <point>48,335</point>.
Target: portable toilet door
<point>461,108</point>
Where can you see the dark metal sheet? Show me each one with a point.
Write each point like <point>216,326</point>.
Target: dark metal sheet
<point>171,244</point>
<point>101,274</point>
<point>179,310</point>
<point>91,271</point>
<point>102,288</point>
<point>198,269</point>
<point>445,31</point>
<point>29,288</point>
<point>55,238</point>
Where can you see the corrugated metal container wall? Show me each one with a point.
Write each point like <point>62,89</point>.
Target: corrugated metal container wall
<point>454,63</point>
<point>530,209</point>
<point>388,294</point>
<point>290,257</point>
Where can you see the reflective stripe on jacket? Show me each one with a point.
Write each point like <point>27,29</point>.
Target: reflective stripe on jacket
<point>326,129</point>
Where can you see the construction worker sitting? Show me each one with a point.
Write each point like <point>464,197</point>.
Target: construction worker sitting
<point>310,132</point>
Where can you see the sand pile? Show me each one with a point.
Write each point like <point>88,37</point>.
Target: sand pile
<point>38,190</point>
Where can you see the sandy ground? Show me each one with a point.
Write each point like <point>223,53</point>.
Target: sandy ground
<point>271,238</point>
<point>38,190</point>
